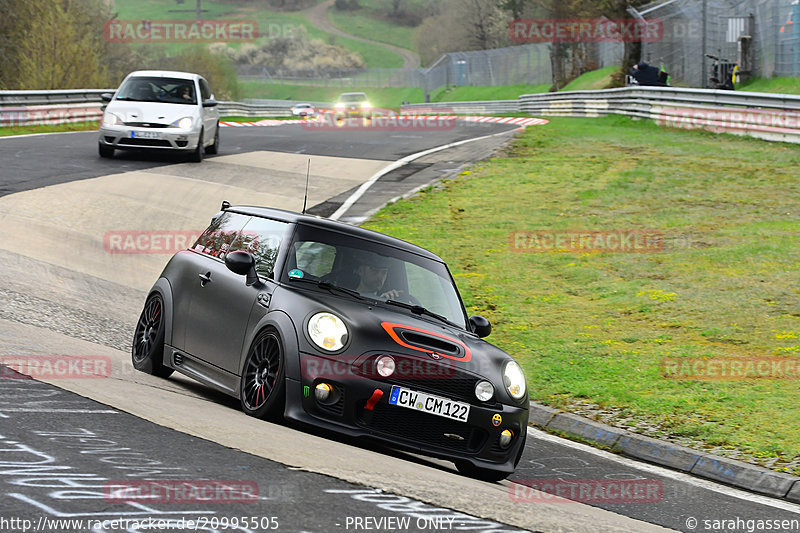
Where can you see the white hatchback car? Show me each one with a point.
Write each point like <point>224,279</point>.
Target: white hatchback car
<point>161,110</point>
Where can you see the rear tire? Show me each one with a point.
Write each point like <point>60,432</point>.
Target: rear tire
<point>147,351</point>
<point>262,387</point>
<point>105,151</point>
<point>197,155</point>
<point>214,148</point>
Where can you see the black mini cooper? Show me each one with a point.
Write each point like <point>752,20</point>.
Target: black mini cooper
<point>338,327</point>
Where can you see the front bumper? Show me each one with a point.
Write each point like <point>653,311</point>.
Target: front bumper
<point>353,112</point>
<point>476,441</point>
<point>136,138</point>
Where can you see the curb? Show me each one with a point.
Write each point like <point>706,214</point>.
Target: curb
<point>519,121</point>
<point>723,470</point>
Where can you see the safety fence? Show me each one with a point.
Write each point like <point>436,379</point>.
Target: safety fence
<point>773,117</point>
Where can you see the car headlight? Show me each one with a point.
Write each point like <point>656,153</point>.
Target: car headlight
<point>339,105</point>
<point>366,105</point>
<point>484,391</point>
<point>185,123</point>
<point>514,380</point>
<point>110,119</point>
<point>328,331</point>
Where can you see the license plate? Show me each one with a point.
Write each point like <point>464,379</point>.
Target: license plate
<point>145,135</point>
<point>428,403</point>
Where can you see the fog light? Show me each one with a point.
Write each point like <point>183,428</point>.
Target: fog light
<point>385,366</point>
<point>505,438</point>
<point>484,391</point>
<point>322,392</point>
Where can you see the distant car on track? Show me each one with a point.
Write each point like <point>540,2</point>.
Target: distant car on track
<point>303,110</point>
<point>352,105</point>
<point>161,110</point>
<point>340,328</point>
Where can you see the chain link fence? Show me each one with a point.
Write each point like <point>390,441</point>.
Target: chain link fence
<point>760,35</point>
<point>524,64</point>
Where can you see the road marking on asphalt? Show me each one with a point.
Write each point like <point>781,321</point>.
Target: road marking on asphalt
<point>657,470</point>
<point>32,410</point>
<point>397,164</point>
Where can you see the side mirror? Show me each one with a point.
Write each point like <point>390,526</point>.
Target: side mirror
<point>106,97</point>
<point>480,326</point>
<point>210,103</point>
<point>244,264</point>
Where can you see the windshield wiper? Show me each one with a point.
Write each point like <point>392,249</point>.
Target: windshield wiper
<point>419,310</point>
<point>328,286</point>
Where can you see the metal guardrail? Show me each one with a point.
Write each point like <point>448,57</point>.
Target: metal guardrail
<point>23,108</point>
<point>774,117</point>
<point>457,108</point>
<point>764,115</point>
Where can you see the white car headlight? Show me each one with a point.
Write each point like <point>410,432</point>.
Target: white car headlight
<point>328,331</point>
<point>185,123</point>
<point>110,119</point>
<point>366,105</point>
<point>514,380</point>
<point>339,105</point>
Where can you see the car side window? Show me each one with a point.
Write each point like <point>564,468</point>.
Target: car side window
<point>205,90</point>
<point>262,237</point>
<point>217,240</point>
<point>314,258</point>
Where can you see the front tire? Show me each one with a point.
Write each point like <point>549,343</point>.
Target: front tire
<point>147,352</point>
<point>262,387</point>
<point>197,155</point>
<point>214,148</point>
<point>105,151</point>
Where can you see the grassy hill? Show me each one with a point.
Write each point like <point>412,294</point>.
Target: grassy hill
<point>272,22</point>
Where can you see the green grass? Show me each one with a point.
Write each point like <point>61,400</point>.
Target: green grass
<point>361,24</point>
<point>48,128</point>
<point>596,79</point>
<point>503,92</point>
<point>783,84</point>
<point>269,21</point>
<point>595,327</point>
<point>387,97</point>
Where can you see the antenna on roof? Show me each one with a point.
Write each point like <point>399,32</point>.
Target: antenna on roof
<point>305,198</point>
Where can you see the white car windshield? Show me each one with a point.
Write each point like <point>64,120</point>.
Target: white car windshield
<point>157,89</point>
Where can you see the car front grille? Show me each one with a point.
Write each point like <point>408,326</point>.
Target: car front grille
<point>146,125</point>
<point>427,428</point>
<point>426,375</point>
<point>145,142</point>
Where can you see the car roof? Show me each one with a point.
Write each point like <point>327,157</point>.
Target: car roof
<point>325,223</point>
<point>165,74</point>
<point>353,94</point>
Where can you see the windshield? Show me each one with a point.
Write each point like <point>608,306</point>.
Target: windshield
<point>157,89</point>
<point>374,271</point>
<point>352,98</point>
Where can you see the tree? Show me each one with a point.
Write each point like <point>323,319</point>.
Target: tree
<point>53,44</point>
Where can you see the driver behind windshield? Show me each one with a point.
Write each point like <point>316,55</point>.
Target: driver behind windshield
<point>372,274</point>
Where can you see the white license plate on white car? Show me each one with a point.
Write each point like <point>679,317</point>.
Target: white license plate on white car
<point>145,135</point>
<point>428,403</point>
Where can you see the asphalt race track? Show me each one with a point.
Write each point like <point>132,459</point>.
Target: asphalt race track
<point>65,444</point>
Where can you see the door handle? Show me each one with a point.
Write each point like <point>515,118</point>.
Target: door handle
<point>205,278</point>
